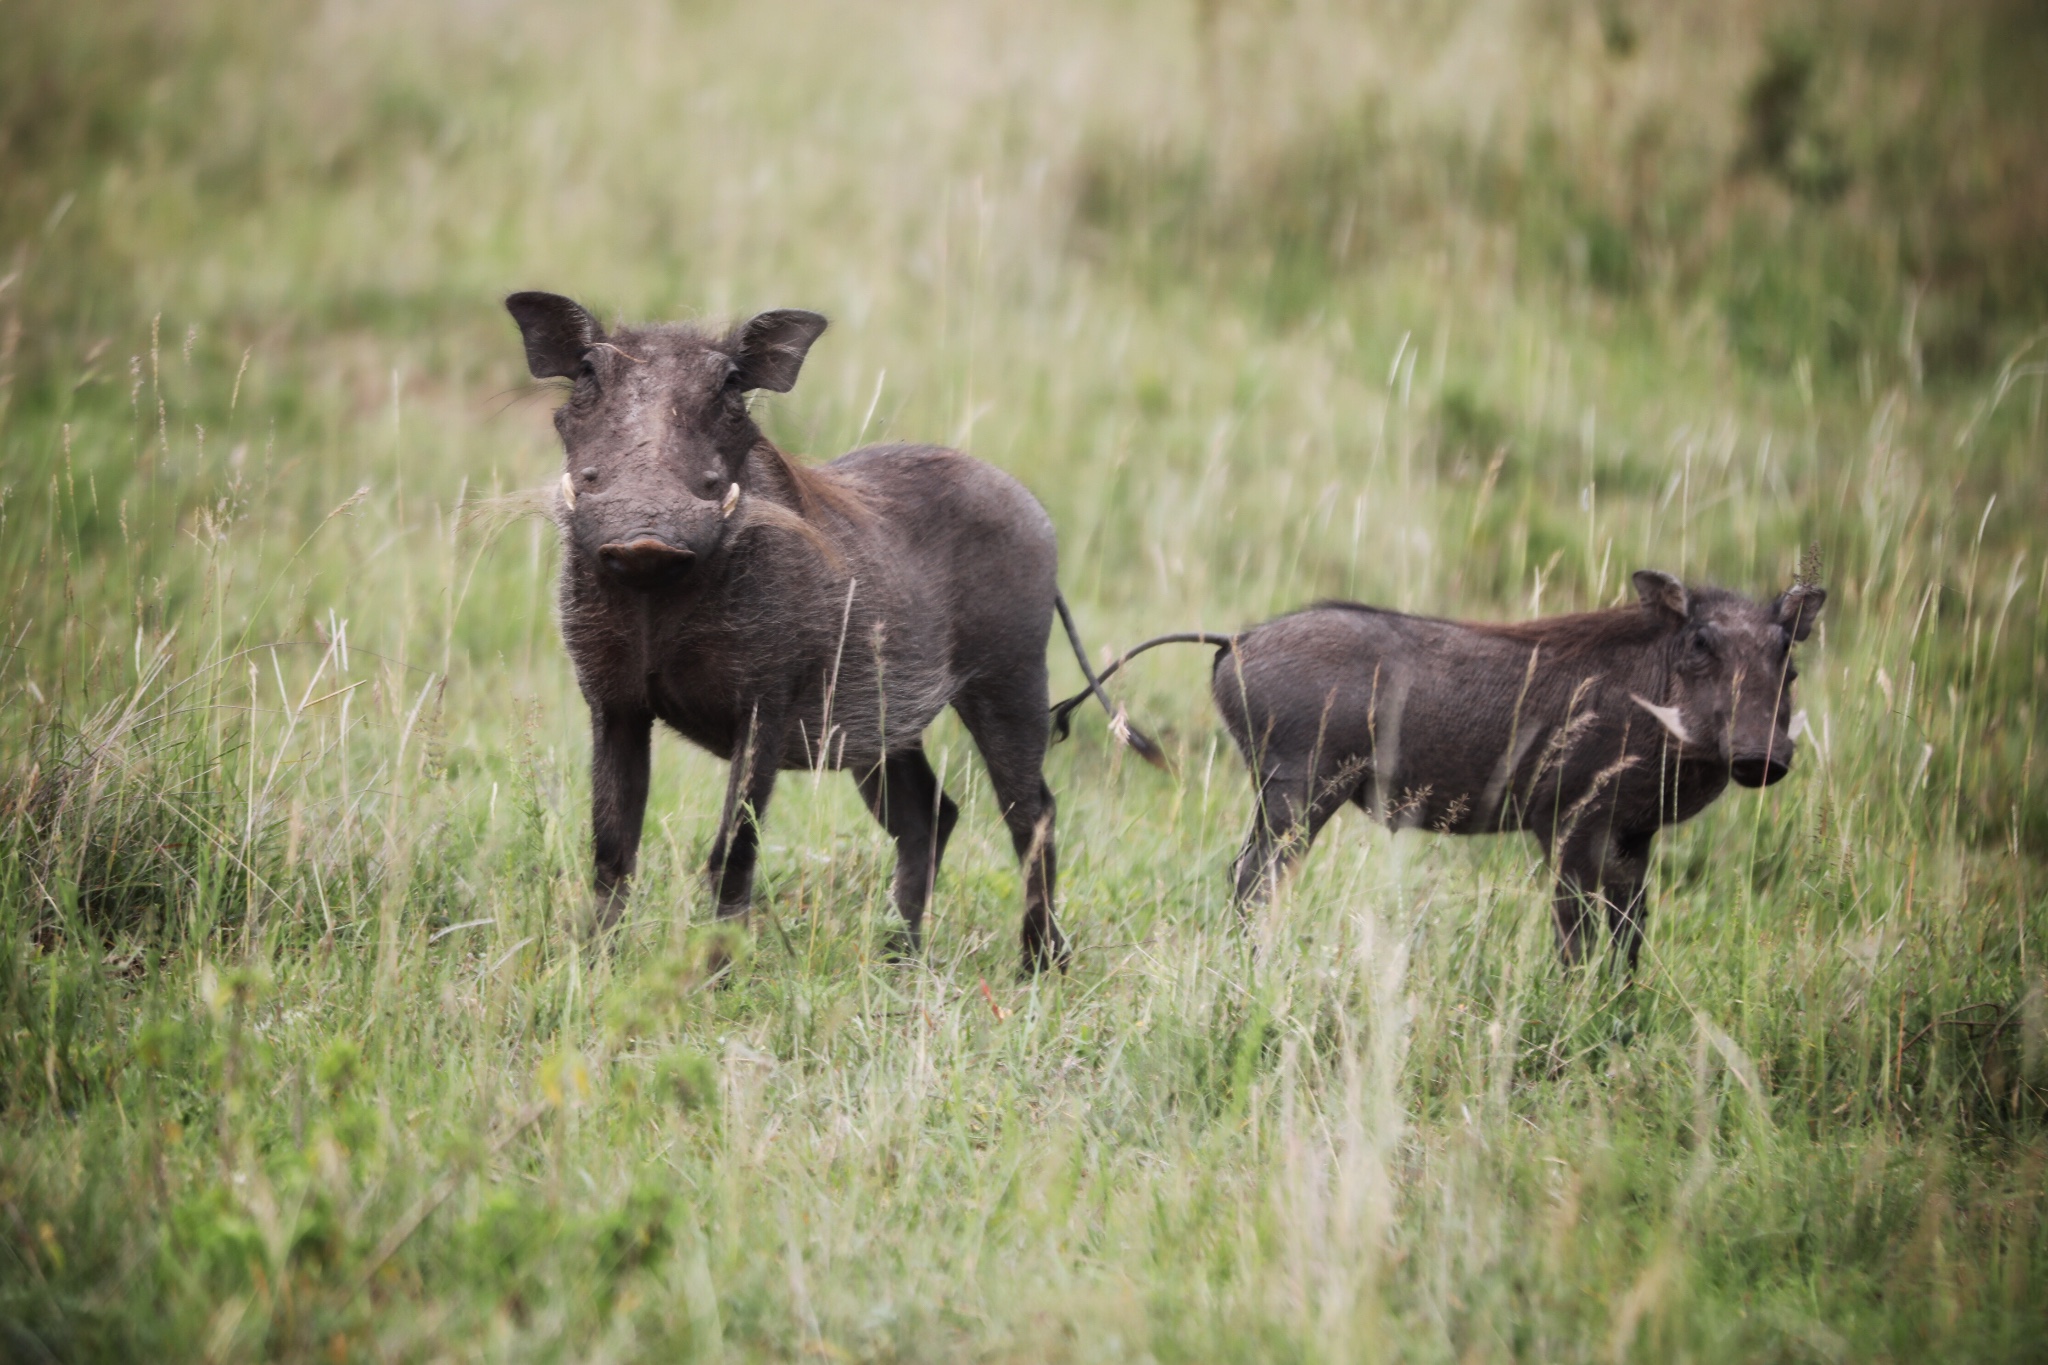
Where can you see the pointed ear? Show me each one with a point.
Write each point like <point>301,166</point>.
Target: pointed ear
<point>557,331</point>
<point>1660,592</point>
<point>770,349</point>
<point>1799,607</point>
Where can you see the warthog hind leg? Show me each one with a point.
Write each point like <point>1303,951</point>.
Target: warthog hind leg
<point>1007,715</point>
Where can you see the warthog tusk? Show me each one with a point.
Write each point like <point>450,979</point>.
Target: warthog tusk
<point>1667,716</point>
<point>568,491</point>
<point>1798,725</point>
<point>732,500</point>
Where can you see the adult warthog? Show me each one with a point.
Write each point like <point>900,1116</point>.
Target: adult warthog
<point>1590,731</point>
<point>784,616</point>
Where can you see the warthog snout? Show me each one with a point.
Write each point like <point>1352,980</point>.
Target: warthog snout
<point>1759,770</point>
<point>644,558</point>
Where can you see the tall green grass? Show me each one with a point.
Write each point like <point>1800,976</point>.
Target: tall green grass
<point>1468,310</point>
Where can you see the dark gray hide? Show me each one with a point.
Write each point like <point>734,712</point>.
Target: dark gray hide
<point>1590,731</point>
<point>786,617</point>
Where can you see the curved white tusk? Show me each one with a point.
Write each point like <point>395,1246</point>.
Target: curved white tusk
<point>732,500</point>
<point>1667,716</point>
<point>568,491</point>
<point>1798,725</point>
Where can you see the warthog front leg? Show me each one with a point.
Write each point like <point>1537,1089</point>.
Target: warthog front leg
<point>618,803</point>
<point>1622,886</point>
<point>1601,868</point>
<point>903,794</point>
<point>750,782</point>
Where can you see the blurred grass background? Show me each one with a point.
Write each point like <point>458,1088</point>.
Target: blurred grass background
<point>1468,309</point>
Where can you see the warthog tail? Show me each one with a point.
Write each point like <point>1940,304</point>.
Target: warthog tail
<point>1062,714</point>
<point>1119,723</point>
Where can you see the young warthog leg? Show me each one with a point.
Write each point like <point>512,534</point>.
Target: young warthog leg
<point>1622,882</point>
<point>1289,817</point>
<point>903,794</point>
<point>1598,868</point>
<point>618,803</point>
<point>1568,918</point>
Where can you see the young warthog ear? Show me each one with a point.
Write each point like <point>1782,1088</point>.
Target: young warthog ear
<point>1659,591</point>
<point>1799,607</point>
<point>557,331</point>
<point>770,349</point>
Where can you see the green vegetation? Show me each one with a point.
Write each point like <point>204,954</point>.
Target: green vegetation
<point>1461,309</point>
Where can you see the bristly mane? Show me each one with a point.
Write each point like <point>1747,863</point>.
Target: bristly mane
<point>1581,631</point>
<point>810,491</point>
<point>1560,636</point>
<point>814,489</point>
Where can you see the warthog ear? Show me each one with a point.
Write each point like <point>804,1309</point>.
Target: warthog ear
<point>1798,607</point>
<point>1659,591</point>
<point>557,331</point>
<point>770,348</point>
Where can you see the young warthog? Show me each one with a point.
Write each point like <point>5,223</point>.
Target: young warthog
<point>789,617</point>
<point>1590,731</point>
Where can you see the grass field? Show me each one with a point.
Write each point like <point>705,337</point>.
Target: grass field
<point>1462,309</point>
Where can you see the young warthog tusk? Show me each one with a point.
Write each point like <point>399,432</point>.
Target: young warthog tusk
<point>1798,725</point>
<point>1667,716</point>
<point>568,491</point>
<point>732,500</point>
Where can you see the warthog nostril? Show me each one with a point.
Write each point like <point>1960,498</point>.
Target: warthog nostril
<point>642,556</point>
<point>1755,770</point>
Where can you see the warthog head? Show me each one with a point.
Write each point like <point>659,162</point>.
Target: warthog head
<point>1732,673</point>
<point>656,428</point>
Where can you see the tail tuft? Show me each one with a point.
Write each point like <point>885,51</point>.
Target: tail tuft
<point>1063,714</point>
<point>1120,726</point>
<point>1119,722</point>
<point>1146,749</point>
